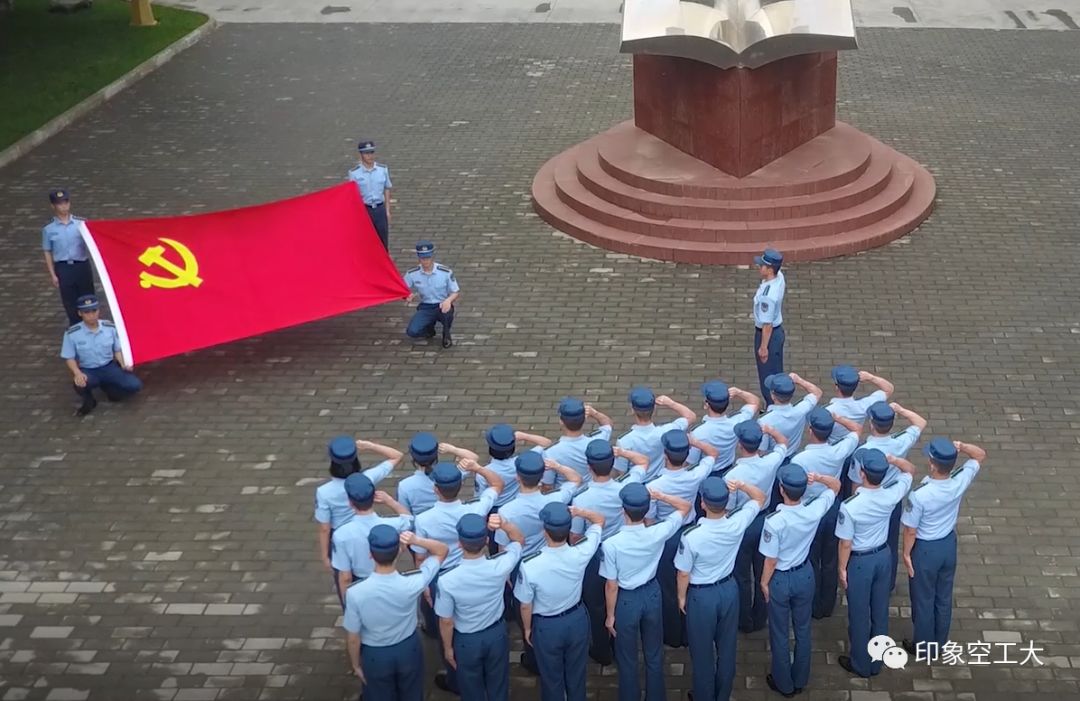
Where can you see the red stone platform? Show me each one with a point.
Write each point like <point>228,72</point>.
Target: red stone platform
<point>626,190</point>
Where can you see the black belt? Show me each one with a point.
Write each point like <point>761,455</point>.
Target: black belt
<point>796,567</point>
<point>935,540</point>
<point>713,584</point>
<point>567,612</point>
<point>641,587</point>
<point>67,262</point>
<point>871,551</point>
<point>374,206</point>
<point>482,630</point>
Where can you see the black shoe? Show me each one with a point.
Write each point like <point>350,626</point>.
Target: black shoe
<point>442,681</point>
<point>909,646</point>
<point>689,696</point>
<point>845,662</point>
<point>772,685</point>
<point>87,406</point>
<point>530,668</point>
<point>447,341</point>
<point>430,333</point>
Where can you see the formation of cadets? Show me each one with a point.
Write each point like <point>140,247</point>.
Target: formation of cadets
<point>674,535</point>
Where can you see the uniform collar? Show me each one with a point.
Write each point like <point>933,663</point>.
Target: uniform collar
<point>639,427</point>
<point>556,549</point>
<point>434,267</point>
<point>440,504</point>
<point>713,419</point>
<point>808,446</point>
<point>420,473</point>
<point>632,526</point>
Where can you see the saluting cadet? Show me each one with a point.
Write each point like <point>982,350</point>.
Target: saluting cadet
<point>683,481</point>
<point>631,557</point>
<point>787,418</point>
<point>66,257</point>
<point>760,471</point>
<point>351,556</point>
<point>380,617</point>
<point>417,492</point>
<point>569,450</point>
<point>769,318</point>
<point>373,181</point>
<point>332,507</point>
<point>882,417</point>
<point>470,609</point>
<point>440,523</point>
<point>438,290</point>
<point>601,495</point>
<point>788,581</point>
<point>708,594</point>
<point>644,436</point>
<point>549,590</point>
<point>91,351</point>
<point>930,538</point>
<point>502,442</point>
<point>847,379</point>
<point>716,427</point>
<point>826,459</point>
<point>864,555</point>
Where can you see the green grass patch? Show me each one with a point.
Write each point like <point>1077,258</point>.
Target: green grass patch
<point>51,61</point>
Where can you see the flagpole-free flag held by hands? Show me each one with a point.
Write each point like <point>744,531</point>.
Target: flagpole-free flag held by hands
<point>176,284</point>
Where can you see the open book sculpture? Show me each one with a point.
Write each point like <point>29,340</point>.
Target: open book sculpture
<point>736,33</point>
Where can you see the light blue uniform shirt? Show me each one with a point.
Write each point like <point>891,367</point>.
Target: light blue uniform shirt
<point>632,555</point>
<point>708,549</point>
<point>471,593</point>
<point>416,492</point>
<point>852,409</point>
<point>524,512</point>
<point>382,608</point>
<point>441,520</point>
<point>332,503</point>
<point>825,459</point>
<point>898,444</point>
<point>864,516</point>
<point>646,440</point>
<point>351,552</point>
<point>789,420</point>
<point>570,451</point>
<point>684,483</point>
<point>64,240</point>
<point>603,498</point>
<point>933,506</point>
<point>433,287</point>
<point>91,349</point>
<point>505,469</point>
<point>789,531</point>
<point>769,302</point>
<point>372,183</point>
<point>719,432</point>
<point>551,578</point>
<point>758,470</point>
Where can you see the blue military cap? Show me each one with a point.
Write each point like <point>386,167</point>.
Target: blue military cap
<point>59,195</point>
<point>571,408</point>
<point>472,528</point>
<point>634,496</point>
<point>780,384</point>
<point>359,488</point>
<point>845,376</point>
<point>771,257</point>
<point>642,398</point>
<point>599,452</point>
<point>872,461</point>
<point>500,436</point>
<point>749,434</point>
<point>715,492</point>
<point>87,303</point>
<point>715,392</point>
<point>383,539</point>
<point>425,249</point>
<point>424,447</point>
<point>793,479</point>
<point>555,516</point>
<point>942,451</point>
<point>446,474</point>
<point>342,449</point>
<point>366,147</point>
<point>881,414</point>
<point>821,421</point>
<point>676,444</point>
<point>529,463</point>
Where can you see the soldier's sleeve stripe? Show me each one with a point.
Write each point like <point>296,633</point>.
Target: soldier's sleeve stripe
<point>527,558</point>
<point>413,270</point>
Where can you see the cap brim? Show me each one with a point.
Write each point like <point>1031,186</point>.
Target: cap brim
<point>426,254</point>
<point>760,260</point>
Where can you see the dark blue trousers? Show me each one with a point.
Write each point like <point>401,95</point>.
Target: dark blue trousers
<point>380,222</point>
<point>791,597</point>
<point>115,381</point>
<point>394,672</point>
<point>561,644</point>
<point>674,619</point>
<point>774,364</point>
<point>932,588</point>
<point>592,595</point>
<point>483,663</point>
<point>76,279</point>
<point>823,559</point>
<point>431,623</point>
<point>528,654</point>
<point>749,564</point>
<point>892,538</point>
<point>423,321</point>
<point>638,616</point>
<point>868,606</point>
<point>712,626</point>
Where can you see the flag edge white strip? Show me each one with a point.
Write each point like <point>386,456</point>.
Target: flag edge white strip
<point>106,283</point>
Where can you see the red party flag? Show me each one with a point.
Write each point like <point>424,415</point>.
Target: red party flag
<point>176,284</point>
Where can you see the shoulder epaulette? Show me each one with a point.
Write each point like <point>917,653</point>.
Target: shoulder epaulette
<point>698,425</point>
<point>471,501</point>
<point>623,476</point>
<point>597,432</point>
<point>492,557</point>
<point>732,512</point>
<point>851,497</point>
<point>767,517</point>
<point>106,322</point>
<point>574,545</point>
<point>920,486</point>
<point>410,573</point>
<point>898,434</point>
<point>412,270</point>
<point>443,268</point>
<point>580,490</point>
<point>811,500</point>
<point>624,435</point>
<point>956,471</point>
<point>532,557</point>
<point>889,484</point>
<point>357,581</point>
<point>73,327</point>
<point>692,528</point>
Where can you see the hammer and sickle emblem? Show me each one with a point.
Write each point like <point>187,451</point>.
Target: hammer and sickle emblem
<point>181,276</point>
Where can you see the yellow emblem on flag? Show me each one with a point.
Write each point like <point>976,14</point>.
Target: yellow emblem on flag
<point>185,276</point>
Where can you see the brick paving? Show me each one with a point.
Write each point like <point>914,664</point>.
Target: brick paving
<point>164,549</point>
